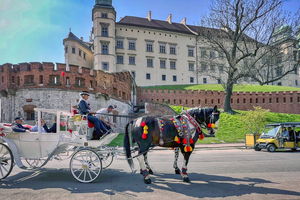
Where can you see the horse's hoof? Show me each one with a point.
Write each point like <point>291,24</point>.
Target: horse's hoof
<point>150,171</point>
<point>186,179</point>
<point>177,171</point>
<point>147,181</point>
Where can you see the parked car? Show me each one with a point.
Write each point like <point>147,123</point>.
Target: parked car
<point>279,136</point>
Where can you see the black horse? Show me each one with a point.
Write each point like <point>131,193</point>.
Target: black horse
<point>179,132</point>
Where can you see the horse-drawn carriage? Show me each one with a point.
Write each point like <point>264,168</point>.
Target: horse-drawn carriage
<point>88,158</point>
<point>33,150</point>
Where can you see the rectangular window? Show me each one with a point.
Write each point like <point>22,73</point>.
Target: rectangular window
<point>131,60</point>
<point>295,55</point>
<point>28,79</point>
<point>203,53</point>
<point>212,67</point>
<point>149,62</point>
<point>105,48</point>
<point>79,82</point>
<point>191,52</point>
<point>191,79</point>
<point>163,77</point>
<point>204,80</point>
<point>120,59</point>
<point>162,64</point>
<point>172,64</point>
<point>120,44</point>
<point>73,50</point>
<point>68,83</point>
<point>296,82</point>
<point>104,30</point>
<point>105,66</point>
<point>149,47</point>
<point>84,56</point>
<point>162,48</point>
<point>174,78</point>
<point>41,80</point>
<point>148,76</point>
<point>66,49</point>
<point>221,55</point>
<point>212,54</point>
<point>80,53</point>
<point>203,67</point>
<point>173,50</point>
<point>54,80</point>
<point>278,71</point>
<point>221,68</point>
<point>29,115</point>
<point>103,15</point>
<point>191,67</point>
<point>219,81</point>
<point>131,45</point>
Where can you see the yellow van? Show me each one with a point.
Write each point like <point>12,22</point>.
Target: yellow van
<point>279,136</point>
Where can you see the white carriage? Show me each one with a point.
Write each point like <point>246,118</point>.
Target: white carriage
<point>32,150</point>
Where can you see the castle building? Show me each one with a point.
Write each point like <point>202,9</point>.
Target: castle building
<point>156,52</point>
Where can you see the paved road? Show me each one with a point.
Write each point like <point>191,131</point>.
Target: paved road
<point>216,174</point>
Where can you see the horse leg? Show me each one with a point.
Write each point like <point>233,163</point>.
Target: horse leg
<point>186,156</point>
<point>147,163</point>
<point>144,170</point>
<point>177,170</point>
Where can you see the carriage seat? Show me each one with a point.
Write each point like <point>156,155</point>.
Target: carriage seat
<point>82,120</point>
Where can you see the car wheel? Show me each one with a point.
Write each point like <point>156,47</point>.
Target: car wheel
<point>256,147</point>
<point>271,148</point>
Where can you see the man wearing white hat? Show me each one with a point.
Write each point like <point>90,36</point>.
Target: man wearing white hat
<point>85,109</point>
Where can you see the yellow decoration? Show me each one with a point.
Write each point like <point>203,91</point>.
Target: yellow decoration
<point>213,125</point>
<point>176,139</point>
<point>145,132</point>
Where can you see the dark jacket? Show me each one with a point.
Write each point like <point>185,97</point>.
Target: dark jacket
<point>83,107</point>
<point>19,128</point>
<point>50,130</point>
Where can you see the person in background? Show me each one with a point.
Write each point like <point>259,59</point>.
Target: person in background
<point>43,127</point>
<point>105,118</point>
<point>18,127</point>
<point>84,109</point>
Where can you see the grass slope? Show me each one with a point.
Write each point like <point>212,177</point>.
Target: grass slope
<point>218,87</point>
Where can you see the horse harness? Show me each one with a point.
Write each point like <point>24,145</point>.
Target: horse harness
<point>186,127</point>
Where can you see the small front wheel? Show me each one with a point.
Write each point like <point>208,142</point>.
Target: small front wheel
<point>257,148</point>
<point>86,166</point>
<point>271,148</point>
<point>6,161</point>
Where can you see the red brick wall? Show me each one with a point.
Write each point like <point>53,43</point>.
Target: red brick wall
<point>101,82</point>
<point>283,102</point>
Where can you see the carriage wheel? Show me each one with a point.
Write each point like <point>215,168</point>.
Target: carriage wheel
<point>86,166</point>
<point>35,163</point>
<point>107,160</point>
<point>6,161</point>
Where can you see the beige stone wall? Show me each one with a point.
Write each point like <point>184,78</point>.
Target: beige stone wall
<point>76,59</point>
<point>142,35</point>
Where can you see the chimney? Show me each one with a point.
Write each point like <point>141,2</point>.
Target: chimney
<point>81,38</point>
<point>149,17</point>
<point>183,21</point>
<point>169,19</point>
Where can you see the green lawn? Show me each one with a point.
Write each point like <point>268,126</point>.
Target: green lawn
<point>218,87</point>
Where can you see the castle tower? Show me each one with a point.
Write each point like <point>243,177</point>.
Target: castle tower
<point>104,19</point>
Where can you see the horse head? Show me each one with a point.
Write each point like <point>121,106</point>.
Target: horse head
<point>206,117</point>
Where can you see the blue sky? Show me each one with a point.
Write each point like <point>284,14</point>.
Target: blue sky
<point>33,30</point>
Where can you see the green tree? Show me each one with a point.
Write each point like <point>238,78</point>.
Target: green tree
<point>255,120</point>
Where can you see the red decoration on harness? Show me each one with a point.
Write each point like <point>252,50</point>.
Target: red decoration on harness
<point>143,124</point>
<point>191,141</point>
<point>188,149</point>
<point>184,141</point>
<point>144,136</point>
<point>70,130</point>
<point>201,136</point>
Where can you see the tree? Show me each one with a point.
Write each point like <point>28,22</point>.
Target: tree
<point>244,32</point>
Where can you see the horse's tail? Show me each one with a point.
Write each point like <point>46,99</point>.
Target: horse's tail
<point>127,146</point>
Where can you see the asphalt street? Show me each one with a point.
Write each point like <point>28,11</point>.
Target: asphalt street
<point>215,174</point>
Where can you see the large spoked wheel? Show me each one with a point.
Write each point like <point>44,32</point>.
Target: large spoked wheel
<point>6,161</point>
<point>86,166</point>
<point>106,159</point>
